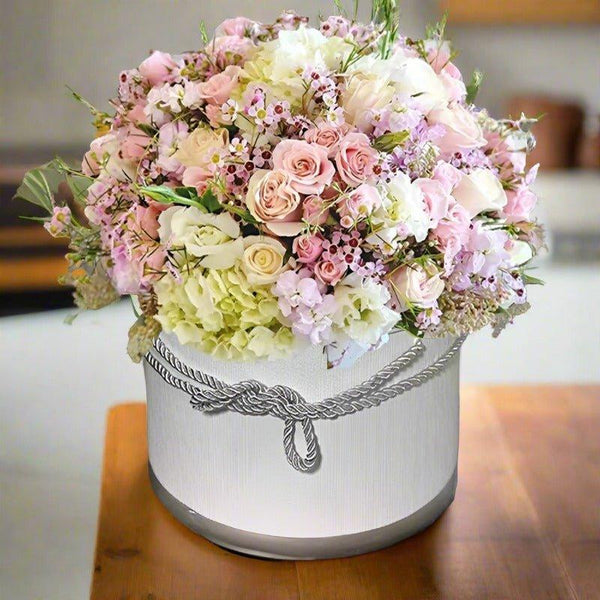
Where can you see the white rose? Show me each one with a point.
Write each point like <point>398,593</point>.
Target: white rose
<point>362,96</point>
<point>462,132</point>
<point>262,260</point>
<point>405,75</point>
<point>415,77</point>
<point>403,212</point>
<point>519,252</point>
<point>216,238</point>
<point>479,191</point>
<point>418,285</point>
<point>201,146</point>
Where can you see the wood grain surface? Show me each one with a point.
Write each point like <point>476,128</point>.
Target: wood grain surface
<point>525,523</point>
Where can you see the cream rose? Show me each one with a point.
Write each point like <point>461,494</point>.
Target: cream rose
<point>262,260</point>
<point>462,132</point>
<point>479,191</point>
<point>272,200</point>
<point>214,238</point>
<point>362,96</point>
<point>201,146</point>
<point>417,285</point>
<point>307,165</point>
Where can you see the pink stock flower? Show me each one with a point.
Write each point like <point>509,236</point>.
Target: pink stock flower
<point>355,159</point>
<point>157,68</point>
<point>437,199</point>
<point>520,203</point>
<point>308,248</point>
<point>307,165</point>
<point>330,272</point>
<point>453,83</point>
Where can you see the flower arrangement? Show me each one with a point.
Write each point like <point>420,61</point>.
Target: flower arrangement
<point>287,185</point>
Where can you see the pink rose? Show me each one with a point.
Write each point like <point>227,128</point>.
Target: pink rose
<point>217,89</point>
<point>146,218</point>
<point>314,210</point>
<point>519,205</point>
<point>239,26</point>
<point>308,248</point>
<point>272,200</point>
<point>437,199</point>
<point>326,135</point>
<point>157,67</point>
<point>228,49</point>
<point>330,272</point>
<point>307,165</point>
<point>133,142</point>
<point>197,177</point>
<point>359,203</point>
<point>355,159</point>
<point>462,132</point>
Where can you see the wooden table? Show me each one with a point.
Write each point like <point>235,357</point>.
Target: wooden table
<point>525,522</point>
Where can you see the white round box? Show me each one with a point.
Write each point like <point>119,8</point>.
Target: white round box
<point>384,473</point>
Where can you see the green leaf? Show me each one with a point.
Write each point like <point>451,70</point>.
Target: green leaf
<point>473,86</point>
<point>167,195</point>
<point>147,129</point>
<point>40,184</point>
<point>210,201</point>
<point>243,213</point>
<point>531,280</point>
<point>388,141</point>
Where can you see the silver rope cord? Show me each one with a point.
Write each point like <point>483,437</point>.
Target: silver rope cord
<point>252,397</point>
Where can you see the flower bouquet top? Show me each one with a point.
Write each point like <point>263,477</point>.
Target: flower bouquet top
<point>287,184</point>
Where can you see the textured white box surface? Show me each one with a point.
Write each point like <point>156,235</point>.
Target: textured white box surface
<point>378,466</point>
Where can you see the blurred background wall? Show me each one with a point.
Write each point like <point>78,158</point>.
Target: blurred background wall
<point>57,380</point>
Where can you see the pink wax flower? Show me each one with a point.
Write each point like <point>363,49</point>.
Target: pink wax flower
<point>307,165</point>
<point>217,89</point>
<point>355,159</point>
<point>326,135</point>
<point>330,272</point>
<point>314,210</point>
<point>308,248</point>
<point>359,203</point>
<point>157,68</point>
<point>61,217</point>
